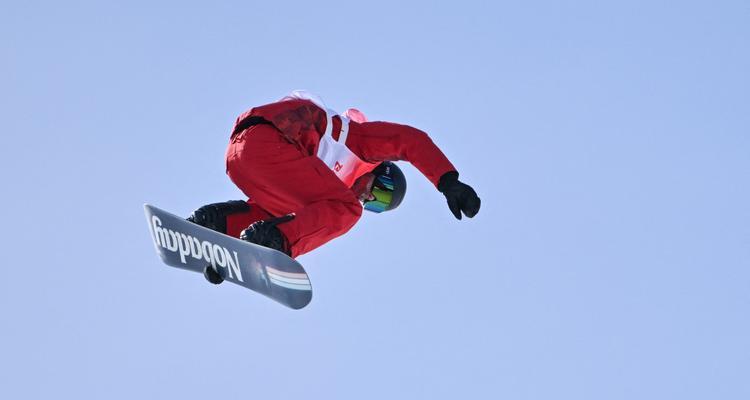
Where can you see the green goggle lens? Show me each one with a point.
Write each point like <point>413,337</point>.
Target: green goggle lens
<point>383,192</point>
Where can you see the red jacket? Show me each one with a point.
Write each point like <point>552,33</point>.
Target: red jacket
<point>301,122</point>
<point>281,179</point>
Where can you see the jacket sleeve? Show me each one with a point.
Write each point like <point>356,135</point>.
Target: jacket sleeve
<point>385,141</point>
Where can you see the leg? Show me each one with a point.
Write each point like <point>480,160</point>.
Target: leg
<point>214,216</point>
<point>283,179</point>
<point>237,222</point>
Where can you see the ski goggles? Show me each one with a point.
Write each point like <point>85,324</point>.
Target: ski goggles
<point>382,189</point>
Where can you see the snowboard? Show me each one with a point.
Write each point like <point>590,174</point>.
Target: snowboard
<point>183,244</point>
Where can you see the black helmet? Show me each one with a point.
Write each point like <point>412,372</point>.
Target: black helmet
<point>389,188</point>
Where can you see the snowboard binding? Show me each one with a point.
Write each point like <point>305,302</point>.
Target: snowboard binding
<point>265,233</point>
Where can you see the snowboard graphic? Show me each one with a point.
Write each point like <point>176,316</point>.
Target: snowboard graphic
<point>185,245</point>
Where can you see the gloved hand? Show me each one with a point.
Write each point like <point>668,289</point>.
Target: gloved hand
<point>214,216</point>
<point>460,196</point>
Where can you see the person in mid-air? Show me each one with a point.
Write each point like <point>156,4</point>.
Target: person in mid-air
<point>308,173</point>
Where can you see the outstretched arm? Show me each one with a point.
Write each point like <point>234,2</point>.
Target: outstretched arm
<point>386,141</point>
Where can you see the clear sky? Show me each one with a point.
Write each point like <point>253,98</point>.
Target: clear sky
<point>609,142</point>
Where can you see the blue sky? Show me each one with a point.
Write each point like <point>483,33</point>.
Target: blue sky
<point>609,142</point>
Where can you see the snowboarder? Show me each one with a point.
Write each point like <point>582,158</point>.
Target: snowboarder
<point>309,172</point>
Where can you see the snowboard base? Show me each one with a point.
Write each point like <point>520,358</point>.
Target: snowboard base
<point>185,245</point>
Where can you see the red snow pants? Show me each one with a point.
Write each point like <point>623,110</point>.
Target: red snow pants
<point>280,178</point>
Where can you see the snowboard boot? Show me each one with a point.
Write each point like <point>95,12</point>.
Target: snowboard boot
<point>211,275</point>
<point>266,233</point>
<point>214,216</point>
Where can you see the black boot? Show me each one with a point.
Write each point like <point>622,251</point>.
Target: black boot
<point>265,233</point>
<point>214,216</point>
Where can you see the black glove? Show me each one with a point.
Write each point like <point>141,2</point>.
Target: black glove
<point>460,196</point>
<point>214,216</point>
